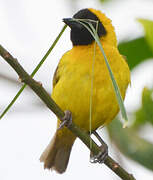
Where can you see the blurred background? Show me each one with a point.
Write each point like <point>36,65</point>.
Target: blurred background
<point>28,28</point>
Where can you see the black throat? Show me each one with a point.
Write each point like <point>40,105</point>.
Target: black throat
<point>79,34</point>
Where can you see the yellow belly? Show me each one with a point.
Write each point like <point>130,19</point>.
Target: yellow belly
<point>73,90</point>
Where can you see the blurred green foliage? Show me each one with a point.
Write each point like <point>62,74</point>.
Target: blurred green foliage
<point>140,49</point>
<point>131,144</point>
<point>145,113</point>
<point>136,51</point>
<point>148,27</point>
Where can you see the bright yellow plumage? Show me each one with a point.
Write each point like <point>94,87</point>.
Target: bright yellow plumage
<point>72,88</point>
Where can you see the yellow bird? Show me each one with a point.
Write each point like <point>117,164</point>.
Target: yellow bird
<point>72,84</point>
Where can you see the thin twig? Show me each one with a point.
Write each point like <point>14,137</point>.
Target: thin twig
<point>44,96</point>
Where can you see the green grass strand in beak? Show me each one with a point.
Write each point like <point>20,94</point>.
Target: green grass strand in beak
<point>116,88</point>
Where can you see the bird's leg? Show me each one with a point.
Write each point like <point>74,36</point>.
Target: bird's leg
<point>67,120</point>
<point>100,158</point>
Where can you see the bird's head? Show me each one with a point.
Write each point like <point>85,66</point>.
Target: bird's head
<point>81,36</point>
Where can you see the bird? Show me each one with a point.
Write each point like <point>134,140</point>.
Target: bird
<point>72,84</point>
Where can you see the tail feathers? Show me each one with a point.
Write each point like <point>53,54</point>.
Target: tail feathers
<point>57,153</point>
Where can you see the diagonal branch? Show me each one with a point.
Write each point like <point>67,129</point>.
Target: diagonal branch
<point>44,96</point>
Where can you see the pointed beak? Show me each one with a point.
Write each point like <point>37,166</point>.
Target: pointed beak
<point>72,23</point>
<point>67,20</point>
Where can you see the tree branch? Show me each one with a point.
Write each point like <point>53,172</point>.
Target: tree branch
<point>45,97</point>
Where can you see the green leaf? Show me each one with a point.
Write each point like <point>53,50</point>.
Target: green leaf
<point>136,51</point>
<point>140,119</point>
<point>145,113</point>
<point>147,103</point>
<point>131,145</point>
<point>148,27</point>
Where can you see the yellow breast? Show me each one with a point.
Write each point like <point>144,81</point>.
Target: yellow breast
<point>73,90</point>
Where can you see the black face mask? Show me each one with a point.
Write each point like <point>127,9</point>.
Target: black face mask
<point>79,34</point>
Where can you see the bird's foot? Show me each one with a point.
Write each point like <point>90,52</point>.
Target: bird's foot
<point>67,120</point>
<point>103,154</point>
